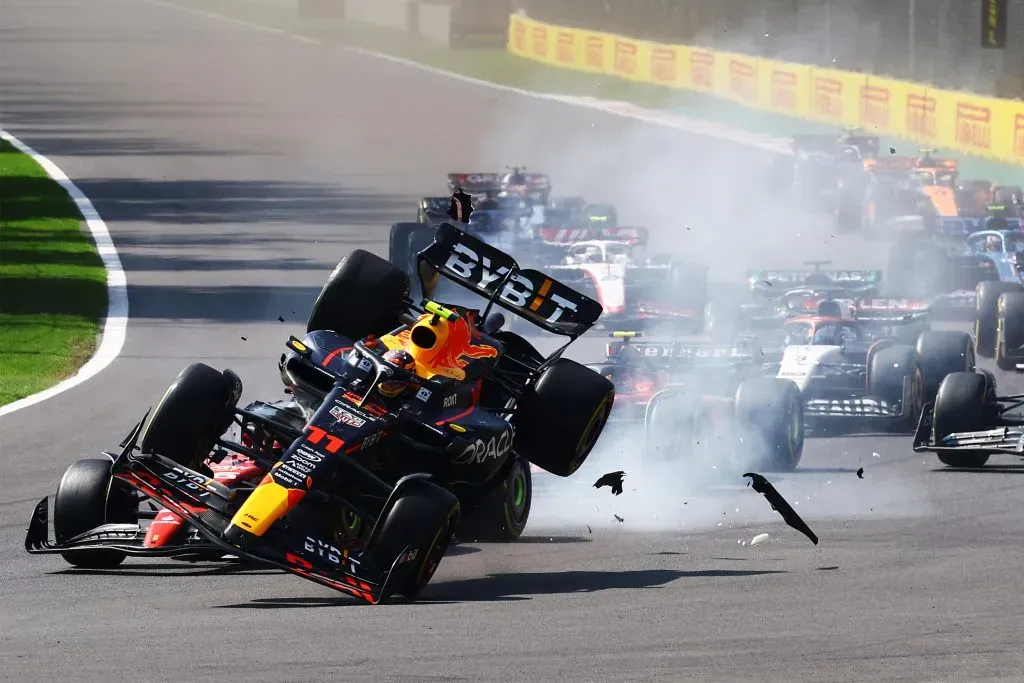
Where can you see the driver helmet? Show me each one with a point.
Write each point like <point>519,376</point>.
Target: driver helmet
<point>593,254</point>
<point>403,360</point>
<point>993,243</point>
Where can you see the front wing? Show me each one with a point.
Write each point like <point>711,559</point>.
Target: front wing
<point>203,502</point>
<point>1005,440</point>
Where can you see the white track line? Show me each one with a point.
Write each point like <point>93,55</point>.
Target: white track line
<point>115,325</point>
<point>622,109</point>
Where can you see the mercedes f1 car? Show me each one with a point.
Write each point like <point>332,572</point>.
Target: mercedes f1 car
<point>852,369</point>
<point>969,421</point>
<point>401,415</point>
<point>690,397</point>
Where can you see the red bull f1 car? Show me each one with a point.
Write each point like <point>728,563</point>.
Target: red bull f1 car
<point>403,417</point>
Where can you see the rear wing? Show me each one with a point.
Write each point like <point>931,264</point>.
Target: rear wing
<point>635,236</point>
<point>494,275</point>
<point>683,354</point>
<point>475,183</point>
<point>763,278</point>
<point>890,309</point>
<point>891,164</point>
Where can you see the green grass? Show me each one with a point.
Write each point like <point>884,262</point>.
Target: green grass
<point>499,66</point>
<point>53,290</point>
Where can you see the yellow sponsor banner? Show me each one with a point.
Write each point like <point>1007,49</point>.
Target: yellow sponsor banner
<point>929,117</point>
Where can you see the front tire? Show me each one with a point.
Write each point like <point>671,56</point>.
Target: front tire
<point>1009,329</point>
<point>88,497</point>
<point>500,516</point>
<point>987,313</point>
<point>960,407</point>
<point>775,409</point>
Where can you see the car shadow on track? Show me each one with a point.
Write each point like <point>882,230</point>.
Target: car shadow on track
<point>515,587</point>
<point>996,469</point>
<point>175,570</point>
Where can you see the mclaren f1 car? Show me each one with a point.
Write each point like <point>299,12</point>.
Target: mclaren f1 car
<point>403,416</point>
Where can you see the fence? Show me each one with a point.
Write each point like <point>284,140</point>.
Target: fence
<point>926,41</point>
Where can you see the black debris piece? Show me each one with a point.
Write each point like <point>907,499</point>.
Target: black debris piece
<point>280,319</point>
<point>244,339</point>
<point>589,530</point>
<point>618,518</point>
<point>892,150</point>
<point>611,479</point>
<point>860,473</point>
<point>779,504</point>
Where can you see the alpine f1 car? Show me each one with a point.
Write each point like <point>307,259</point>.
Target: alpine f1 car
<point>851,369</point>
<point>401,413</point>
<point>969,422</point>
<point>772,296</point>
<point>689,396</point>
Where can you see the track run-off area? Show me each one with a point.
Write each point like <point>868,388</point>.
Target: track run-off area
<point>233,167</point>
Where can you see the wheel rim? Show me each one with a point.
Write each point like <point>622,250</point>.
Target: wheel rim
<point>796,431</point>
<point>518,491</point>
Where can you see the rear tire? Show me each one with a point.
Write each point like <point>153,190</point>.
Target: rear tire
<point>960,407</point>
<point>500,516</point>
<point>561,417</point>
<point>194,412</point>
<point>986,314</point>
<point>1009,329</point>
<point>425,516</point>
<point>364,295</point>
<point>774,407</point>
<point>87,497</point>
<point>940,353</point>
<point>889,373</point>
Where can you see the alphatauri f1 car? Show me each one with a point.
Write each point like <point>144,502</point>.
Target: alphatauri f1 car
<point>401,413</point>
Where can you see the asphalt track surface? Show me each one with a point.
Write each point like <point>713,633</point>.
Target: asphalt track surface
<point>234,168</point>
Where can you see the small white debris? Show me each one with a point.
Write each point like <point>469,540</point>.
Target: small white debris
<point>875,455</point>
<point>829,481</point>
<point>760,538</point>
<point>737,510</point>
<point>719,524</point>
<point>739,541</point>
<point>743,544</point>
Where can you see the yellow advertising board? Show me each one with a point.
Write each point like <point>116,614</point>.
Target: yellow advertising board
<point>983,126</point>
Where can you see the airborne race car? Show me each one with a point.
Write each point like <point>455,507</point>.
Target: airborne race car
<point>689,397</point>
<point>395,430</point>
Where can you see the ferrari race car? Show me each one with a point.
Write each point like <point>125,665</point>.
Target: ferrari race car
<point>969,422</point>
<point>848,369</point>
<point>533,187</point>
<point>633,289</point>
<point>402,416</point>
<point>772,296</point>
<point>691,396</point>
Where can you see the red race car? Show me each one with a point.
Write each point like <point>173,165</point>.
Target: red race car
<point>686,394</point>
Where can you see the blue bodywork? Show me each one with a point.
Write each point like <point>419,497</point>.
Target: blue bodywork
<point>973,254</point>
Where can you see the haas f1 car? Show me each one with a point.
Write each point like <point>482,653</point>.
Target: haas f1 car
<point>402,417</point>
<point>694,399</point>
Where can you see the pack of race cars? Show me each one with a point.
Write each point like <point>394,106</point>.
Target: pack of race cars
<point>412,420</point>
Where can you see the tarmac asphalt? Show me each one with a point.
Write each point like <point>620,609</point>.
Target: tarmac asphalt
<point>234,168</point>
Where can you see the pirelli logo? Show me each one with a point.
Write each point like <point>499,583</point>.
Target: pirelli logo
<point>1018,136</point>
<point>519,36</point>
<point>663,65</point>
<point>743,80</point>
<point>702,69</point>
<point>921,116</point>
<point>625,57</point>
<point>875,109</point>
<point>539,38</point>
<point>827,98</point>
<point>565,47</point>
<point>594,55</point>
<point>784,85</point>
<point>973,126</point>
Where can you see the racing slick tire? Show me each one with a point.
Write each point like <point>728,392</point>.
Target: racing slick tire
<point>194,412</point>
<point>960,407</point>
<point>940,353</point>
<point>500,515</point>
<point>895,376</point>
<point>87,497</point>
<point>407,240</point>
<point>987,313</point>
<point>364,295</point>
<point>562,415</point>
<point>426,515</point>
<point>775,409</point>
<point>1009,329</point>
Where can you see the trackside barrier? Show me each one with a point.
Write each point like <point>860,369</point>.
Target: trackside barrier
<point>982,126</point>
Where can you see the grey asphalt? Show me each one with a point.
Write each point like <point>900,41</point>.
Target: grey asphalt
<point>234,168</point>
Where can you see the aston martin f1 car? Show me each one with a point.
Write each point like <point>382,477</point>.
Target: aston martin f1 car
<point>969,422</point>
<point>848,369</point>
<point>689,396</point>
<point>402,414</point>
